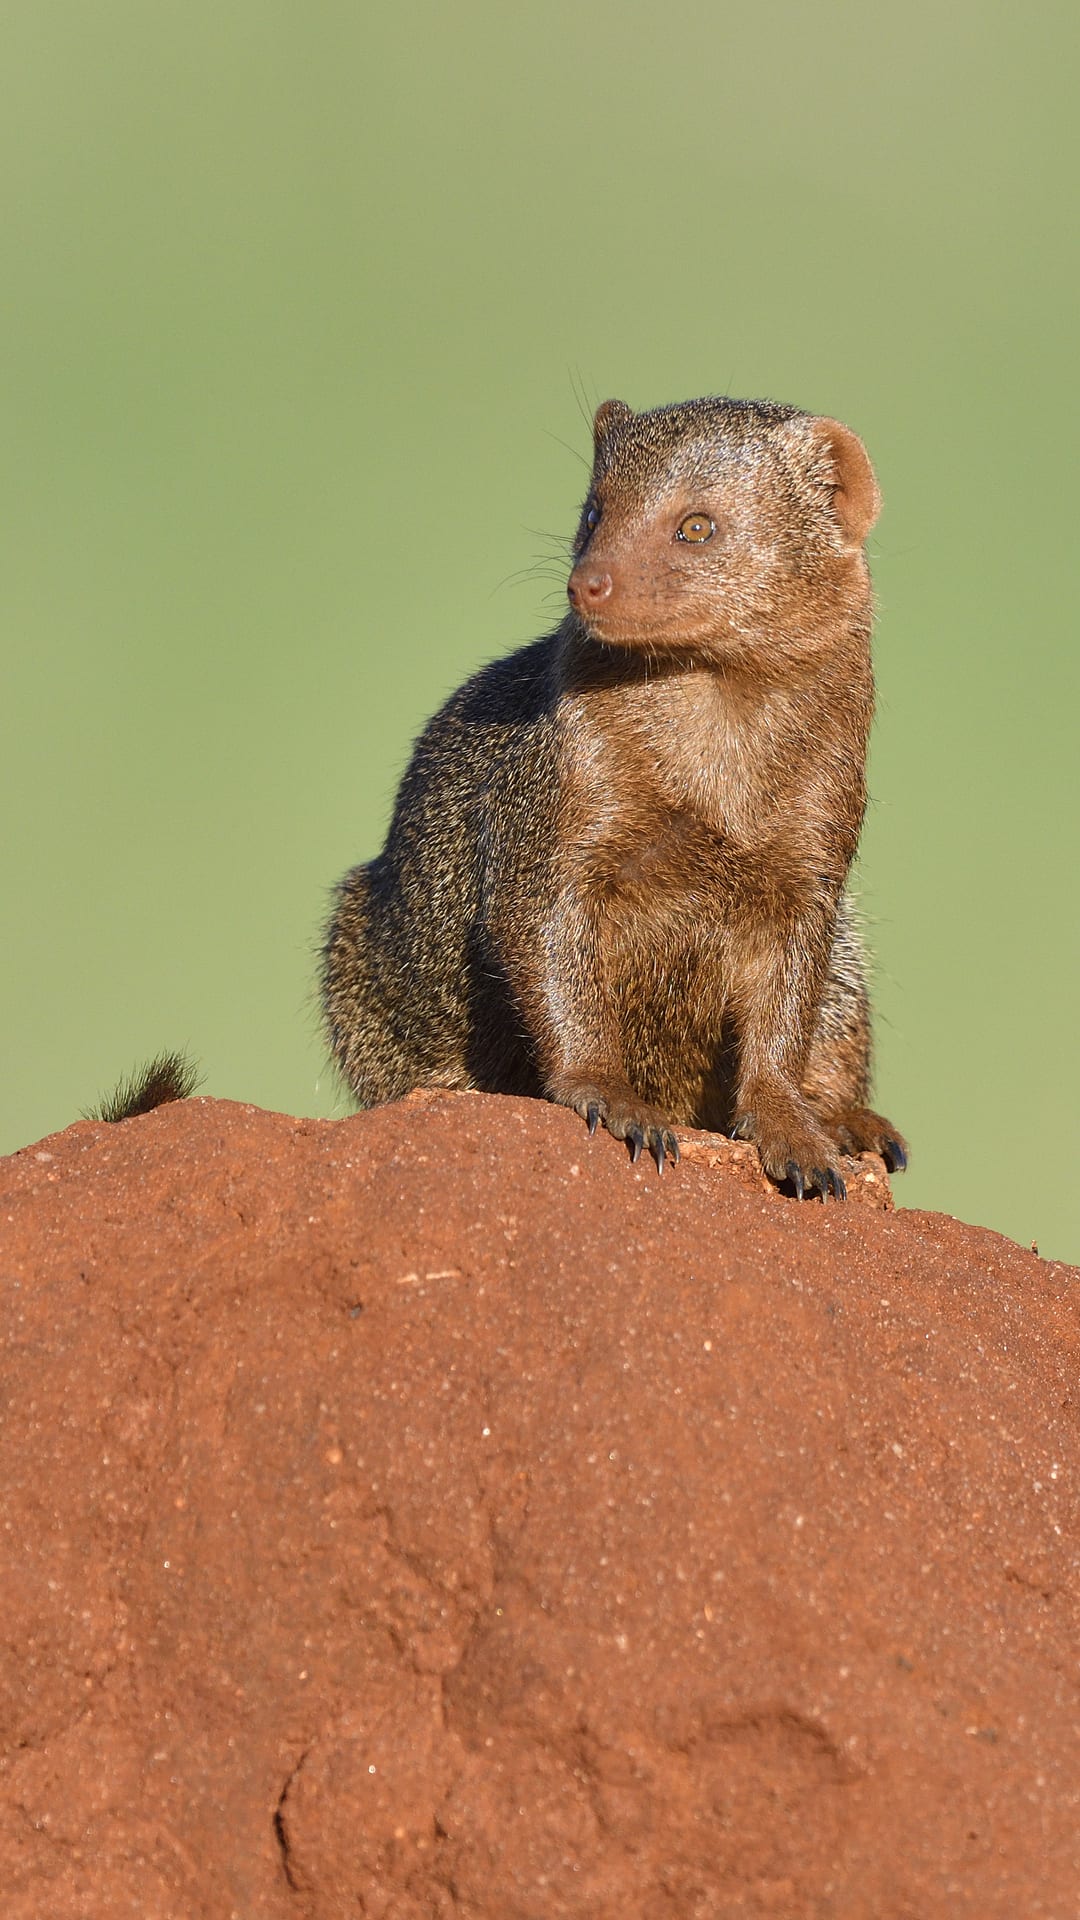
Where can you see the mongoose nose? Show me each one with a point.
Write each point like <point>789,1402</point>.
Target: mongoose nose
<point>588,589</point>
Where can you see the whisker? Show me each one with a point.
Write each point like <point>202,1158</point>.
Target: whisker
<point>539,571</point>
<point>581,458</point>
<point>556,540</point>
<point>578,389</point>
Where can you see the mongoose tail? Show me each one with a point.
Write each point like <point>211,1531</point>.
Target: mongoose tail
<point>171,1076</point>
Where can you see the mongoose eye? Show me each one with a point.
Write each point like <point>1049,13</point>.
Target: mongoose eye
<point>696,527</point>
<point>592,517</point>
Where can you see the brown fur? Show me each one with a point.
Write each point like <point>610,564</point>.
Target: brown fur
<point>615,873</point>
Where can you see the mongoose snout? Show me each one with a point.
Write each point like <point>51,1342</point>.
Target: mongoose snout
<point>586,588</point>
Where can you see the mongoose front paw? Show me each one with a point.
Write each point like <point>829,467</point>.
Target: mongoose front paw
<point>624,1116</point>
<point>793,1152</point>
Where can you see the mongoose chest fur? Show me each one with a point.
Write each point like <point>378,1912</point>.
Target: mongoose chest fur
<point>615,873</point>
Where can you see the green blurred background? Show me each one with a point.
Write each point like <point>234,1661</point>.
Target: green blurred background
<point>302,310</point>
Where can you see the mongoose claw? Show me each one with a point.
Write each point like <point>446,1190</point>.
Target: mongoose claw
<point>635,1140</point>
<point>893,1155</point>
<point>663,1146</point>
<point>593,1116</point>
<point>826,1180</point>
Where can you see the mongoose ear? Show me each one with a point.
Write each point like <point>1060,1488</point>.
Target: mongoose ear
<point>610,414</point>
<point>856,496</point>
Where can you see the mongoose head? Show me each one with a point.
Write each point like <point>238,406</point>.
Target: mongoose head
<point>724,529</point>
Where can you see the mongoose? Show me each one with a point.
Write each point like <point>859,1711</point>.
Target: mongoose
<point>615,873</point>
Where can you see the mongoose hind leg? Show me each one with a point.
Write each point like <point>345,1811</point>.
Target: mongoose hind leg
<point>836,1082</point>
<point>861,1130</point>
<point>370,1053</point>
<point>835,1088</point>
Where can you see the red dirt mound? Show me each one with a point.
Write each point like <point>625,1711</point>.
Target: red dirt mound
<point>427,1514</point>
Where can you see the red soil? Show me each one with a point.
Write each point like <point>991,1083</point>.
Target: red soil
<point>428,1514</point>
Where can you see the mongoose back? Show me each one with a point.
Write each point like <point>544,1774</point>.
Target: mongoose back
<point>615,873</point>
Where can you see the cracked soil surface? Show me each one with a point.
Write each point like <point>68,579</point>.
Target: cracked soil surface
<point>427,1515</point>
